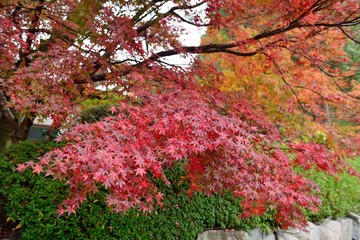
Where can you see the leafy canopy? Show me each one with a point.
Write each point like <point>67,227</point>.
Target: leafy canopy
<point>55,53</point>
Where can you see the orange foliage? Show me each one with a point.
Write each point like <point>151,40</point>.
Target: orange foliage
<point>299,84</point>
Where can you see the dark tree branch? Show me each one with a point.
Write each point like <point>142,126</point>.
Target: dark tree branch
<point>211,48</point>
<point>166,14</point>
<point>348,36</point>
<point>226,47</point>
<point>143,13</point>
<point>337,84</point>
<point>301,104</point>
<point>323,97</point>
<point>189,22</point>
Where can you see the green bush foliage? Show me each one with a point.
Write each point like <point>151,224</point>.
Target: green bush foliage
<point>95,113</point>
<point>31,200</point>
<point>97,109</point>
<point>340,196</point>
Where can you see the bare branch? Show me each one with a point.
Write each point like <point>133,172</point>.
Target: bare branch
<point>189,22</point>
<point>337,84</point>
<point>301,104</point>
<point>166,14</point>
<point>347,35</point>
<point>210,48</point>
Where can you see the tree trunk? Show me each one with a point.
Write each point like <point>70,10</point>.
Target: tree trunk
<point>5,134</point>
<point>22,131</point>
<point>19,128</point>
<point>17,131</point>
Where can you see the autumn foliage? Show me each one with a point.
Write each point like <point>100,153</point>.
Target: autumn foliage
<point>55,53</point>
<point>230,149</point>
<point>311,96</point>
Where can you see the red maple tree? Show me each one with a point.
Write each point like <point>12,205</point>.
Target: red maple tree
<point>53,53</point>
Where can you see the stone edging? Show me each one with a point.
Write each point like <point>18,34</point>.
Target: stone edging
<point>340,229</point>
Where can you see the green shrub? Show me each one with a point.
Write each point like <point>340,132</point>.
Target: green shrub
<point>97,109</point>
<point>339,196</point>
<point>31,201</point>
<point>95,113</point>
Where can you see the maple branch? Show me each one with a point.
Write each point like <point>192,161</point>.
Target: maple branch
<point>153,7</point>
<point>350,15</point>
<point>189,22</point>
<point>225,47</point>
<point>166,14</point>
<point>213,48</point>
<point>323,97</point>
<point>301,104</point>
<point>337,84</point>
<point>74,31</point>
<point>296,24</point>
<point>347,35</point>
<point>321,5</point>
<point>210,48</point>
<point>335,25</point>
<point>316,92</point>
<point>168,64</point>
<point>34,23</point>
<point>59,36</point>
<point>307,11</point>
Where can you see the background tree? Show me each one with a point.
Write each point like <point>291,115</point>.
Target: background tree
<point>55,52</point>
<point>302,98</point>
<point>41,39</point>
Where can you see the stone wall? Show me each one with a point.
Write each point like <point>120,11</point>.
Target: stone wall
<point>340,229</point>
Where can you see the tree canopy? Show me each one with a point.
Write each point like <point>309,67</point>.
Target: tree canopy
<point>55,53</point>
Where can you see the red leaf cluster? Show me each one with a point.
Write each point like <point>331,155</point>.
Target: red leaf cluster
<point>228,147</point>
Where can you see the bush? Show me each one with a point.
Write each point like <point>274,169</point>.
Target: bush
<point>97,109</point>
<point>31,201</point>
<point>339,196</point>
<point>95,113</point>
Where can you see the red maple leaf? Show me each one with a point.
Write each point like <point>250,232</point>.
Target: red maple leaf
<point>140,171</point>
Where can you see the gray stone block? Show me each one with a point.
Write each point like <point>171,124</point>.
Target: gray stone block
<point>342,229</point>
<point>224,235</point>
<point>356,226</point>
<point>310,233</point>
<point>330,230</point>
<point>286,236</point>
<point>257,234</point>
<point>346,228</point>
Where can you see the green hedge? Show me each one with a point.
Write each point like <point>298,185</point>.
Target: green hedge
<point>31,201</point>
<point>340,196</point>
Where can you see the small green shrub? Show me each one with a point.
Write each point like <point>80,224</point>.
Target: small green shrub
<point>97,109</point>
<point>95,113</point>
<point>339,196</point>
